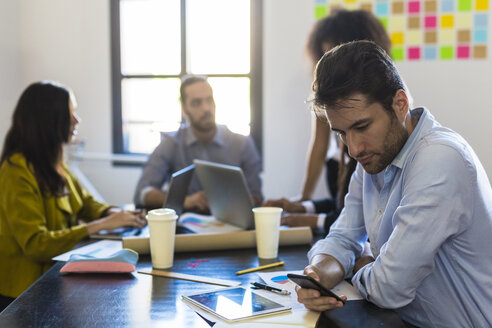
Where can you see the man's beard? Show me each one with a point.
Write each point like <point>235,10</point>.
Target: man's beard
<point>394,141</point>
<point>205,123</point>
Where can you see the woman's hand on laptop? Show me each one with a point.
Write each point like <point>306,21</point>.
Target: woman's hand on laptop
<point>116,218</point>
<point>197,201</point>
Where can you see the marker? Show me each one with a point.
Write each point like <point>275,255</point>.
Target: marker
<point>270,288</point>
<point>262,267</point>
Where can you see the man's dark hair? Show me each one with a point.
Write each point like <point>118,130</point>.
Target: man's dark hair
<point>356,67</point>
<point>40,127</point>
<point>343,26</point>
<point>189,80</point>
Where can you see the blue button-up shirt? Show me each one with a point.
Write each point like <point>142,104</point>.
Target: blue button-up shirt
<point>178,149</point>
<point>428,216</point>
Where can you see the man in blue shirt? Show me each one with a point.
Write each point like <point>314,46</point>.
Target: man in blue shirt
<point>419,194</point>
<point>200,138</point>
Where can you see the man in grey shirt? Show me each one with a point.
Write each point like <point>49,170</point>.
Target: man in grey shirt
<point>200,138</point>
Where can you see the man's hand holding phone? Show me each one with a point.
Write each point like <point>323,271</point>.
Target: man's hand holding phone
<point>312,294</point>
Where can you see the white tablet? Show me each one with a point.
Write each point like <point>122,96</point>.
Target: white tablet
<point>235,303</point>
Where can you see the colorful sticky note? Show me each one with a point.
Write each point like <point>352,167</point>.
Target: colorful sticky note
<point>397,23</point>
<point>481,5</point>
<point>397,7</point>
<point>430,37</point>
<point>447,6</point>
<point>464,36</point>
<point>430,53</point>
<point>480,36</point>
<point>397,53</point>
<point>463,52</point>
<point>446,36</point>
<point>384,21</point>
<point>480,52</point>
<point>366,6</point>
<point>480,20</point>
<point>430,21</point>
<point>351,5</point>
<point>446,52</point>
<point>413,22</point>
<point>430,6</point>
<point>447,21</point>
<point>464,5</point>
<point>413,53</point>
<point>382,8</point>
<point>414,37</point>
<point>397,38</point>
<point>463,20</point>
<point>320,11</point>
<point>413,7</point>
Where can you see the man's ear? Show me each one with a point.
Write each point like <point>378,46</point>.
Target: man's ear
<point>400,104</point>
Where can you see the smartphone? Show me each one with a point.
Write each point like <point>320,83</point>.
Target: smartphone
<point>309,283</point>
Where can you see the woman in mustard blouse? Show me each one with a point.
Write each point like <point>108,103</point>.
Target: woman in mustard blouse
<point>41,202</point>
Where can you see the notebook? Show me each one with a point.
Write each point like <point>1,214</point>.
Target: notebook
<point>227,193</point>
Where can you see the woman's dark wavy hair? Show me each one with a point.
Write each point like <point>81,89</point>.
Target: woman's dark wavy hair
<point>343,26</point>
<point>40,127</point>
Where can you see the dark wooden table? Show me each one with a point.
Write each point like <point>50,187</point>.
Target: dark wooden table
<point>139,300</point>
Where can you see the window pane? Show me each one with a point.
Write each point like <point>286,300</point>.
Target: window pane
<point>150,37</point>
<point>149,106</point>
<point>232,102</point>
<point>218,36</point>
<point>140,138</point>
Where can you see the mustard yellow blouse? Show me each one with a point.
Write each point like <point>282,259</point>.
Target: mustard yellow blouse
<point>34,227</point>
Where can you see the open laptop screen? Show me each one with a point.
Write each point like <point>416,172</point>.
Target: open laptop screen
<point>178,188</point>
<point>227,193</point>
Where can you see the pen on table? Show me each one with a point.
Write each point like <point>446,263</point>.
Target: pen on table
<point>270,288</point>
<point>271,265</point>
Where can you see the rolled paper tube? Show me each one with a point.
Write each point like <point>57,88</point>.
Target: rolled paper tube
<point>220,241</point>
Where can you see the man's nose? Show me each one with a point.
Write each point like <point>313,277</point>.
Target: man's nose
<point>355,144</point>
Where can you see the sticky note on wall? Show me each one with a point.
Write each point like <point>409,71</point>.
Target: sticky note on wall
<point>426,29</point>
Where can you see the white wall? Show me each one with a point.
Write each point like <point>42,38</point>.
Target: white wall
<point>287,77</point>
<point>69,41</point>
<point>457,93</point>
<point>10,68</point>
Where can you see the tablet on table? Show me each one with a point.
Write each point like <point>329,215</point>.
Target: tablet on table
<point>235,303</point>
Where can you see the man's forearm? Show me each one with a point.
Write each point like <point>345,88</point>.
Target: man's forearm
<point>154,198</point>
<point>329,270</point>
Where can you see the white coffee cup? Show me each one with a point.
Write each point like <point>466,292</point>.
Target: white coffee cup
<point>162,229</point>
<point>267,225</point>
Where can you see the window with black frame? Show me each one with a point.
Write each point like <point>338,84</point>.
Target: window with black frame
<point>157,42</point>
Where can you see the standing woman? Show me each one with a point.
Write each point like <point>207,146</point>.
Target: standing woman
<point>41,202</point>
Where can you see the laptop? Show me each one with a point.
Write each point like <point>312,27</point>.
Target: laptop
<point>227,193</point>
<point>178,189</point>
<point>176,194</point>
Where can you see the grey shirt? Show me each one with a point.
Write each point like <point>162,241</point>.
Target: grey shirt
<point>178,149</point>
